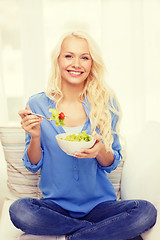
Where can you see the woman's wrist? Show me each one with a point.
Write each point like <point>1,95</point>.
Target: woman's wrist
<point>36,138</point>
<point>34,150</point>
<point>104,157</point>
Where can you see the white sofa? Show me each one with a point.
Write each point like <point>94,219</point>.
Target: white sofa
<point>138,178</point>
<point>141,171</point>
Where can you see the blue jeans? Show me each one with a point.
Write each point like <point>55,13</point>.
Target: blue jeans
<point>110,220</point>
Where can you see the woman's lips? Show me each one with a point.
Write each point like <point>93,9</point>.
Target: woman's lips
<point>74,73</point>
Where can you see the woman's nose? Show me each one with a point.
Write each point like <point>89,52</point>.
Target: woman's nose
<point>76,62</point>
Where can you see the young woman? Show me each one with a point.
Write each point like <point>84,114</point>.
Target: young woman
<point>79,201</point>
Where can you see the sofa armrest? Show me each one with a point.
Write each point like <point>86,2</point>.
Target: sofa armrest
<point>140,176</point>
<point>3,178</point>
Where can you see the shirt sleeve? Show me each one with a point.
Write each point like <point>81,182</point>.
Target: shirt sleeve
<point>116,146</point>
<point>26,162</point>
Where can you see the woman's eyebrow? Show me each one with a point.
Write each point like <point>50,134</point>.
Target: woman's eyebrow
<point>85,54</point>
<point>80,54</point>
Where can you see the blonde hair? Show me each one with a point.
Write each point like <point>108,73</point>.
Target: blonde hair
<point>101,97</point>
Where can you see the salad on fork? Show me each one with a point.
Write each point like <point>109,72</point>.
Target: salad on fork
<point>56,115</point>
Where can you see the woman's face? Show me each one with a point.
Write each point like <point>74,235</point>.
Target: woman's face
<point>74,61</point>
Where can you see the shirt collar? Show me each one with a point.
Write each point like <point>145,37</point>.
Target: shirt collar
<point>87,106</point>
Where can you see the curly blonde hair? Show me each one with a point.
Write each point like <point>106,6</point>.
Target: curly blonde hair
<point>101,97</point>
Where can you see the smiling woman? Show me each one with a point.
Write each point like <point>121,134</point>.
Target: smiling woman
<point>124,30</point>
<point>84,205</point>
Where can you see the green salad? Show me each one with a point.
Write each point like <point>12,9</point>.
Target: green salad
<point>57,116</point>
<point>78,138</point>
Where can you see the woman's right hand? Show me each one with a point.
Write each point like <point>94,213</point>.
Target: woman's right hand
<point>30,123</point>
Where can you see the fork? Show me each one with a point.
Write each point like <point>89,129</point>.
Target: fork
<point>39,115</point>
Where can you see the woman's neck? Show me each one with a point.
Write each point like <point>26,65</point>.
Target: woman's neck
<point>71,93</point>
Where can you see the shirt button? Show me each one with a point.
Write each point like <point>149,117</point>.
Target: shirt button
<point>75,168</point>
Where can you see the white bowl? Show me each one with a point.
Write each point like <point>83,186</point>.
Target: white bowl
<point>71,147</point>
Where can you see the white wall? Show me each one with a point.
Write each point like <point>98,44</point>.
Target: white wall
<point>32,42</point>
<point>123,44</point>
<point>3,101</point>
<point>151,13</point>
<point>130,39</point>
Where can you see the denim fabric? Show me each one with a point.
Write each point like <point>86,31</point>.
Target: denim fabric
<point>110,220</point>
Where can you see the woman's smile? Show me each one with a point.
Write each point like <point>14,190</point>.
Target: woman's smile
<point>73,73</point>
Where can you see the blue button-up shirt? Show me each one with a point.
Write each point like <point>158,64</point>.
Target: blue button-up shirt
<point>77,185</point>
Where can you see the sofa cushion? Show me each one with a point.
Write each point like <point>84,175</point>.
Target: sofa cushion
<point>115,178</point>
<point>20,182</point>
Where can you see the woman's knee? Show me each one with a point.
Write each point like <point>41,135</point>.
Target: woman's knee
<point>18,211</point>
<point>19,206</point>
<point>148,214</point>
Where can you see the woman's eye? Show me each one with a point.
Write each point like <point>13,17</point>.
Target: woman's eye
<point>85,58</point>
<point>68,56</point>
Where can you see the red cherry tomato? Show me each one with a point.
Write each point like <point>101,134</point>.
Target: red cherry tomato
<point>61,115</point>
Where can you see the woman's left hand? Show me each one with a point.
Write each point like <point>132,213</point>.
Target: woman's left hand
<point>91,152</point>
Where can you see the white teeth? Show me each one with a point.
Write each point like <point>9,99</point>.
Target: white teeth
<point>75,73</point>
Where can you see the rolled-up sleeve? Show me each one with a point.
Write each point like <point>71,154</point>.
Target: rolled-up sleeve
<point>31,167</point>
<point>116,146</point>
<point>117,156</point>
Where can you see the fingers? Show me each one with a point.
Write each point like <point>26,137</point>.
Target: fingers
<point>30,120</point>
<point>88,152</point>
<point>27,117</point>
<point>30,123</point>
<point>28,128</point>
<point>85,155</point>
<point>97,137</point>
<point>28,107</point>
<point>24,112</point>
<point>91,152</point>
